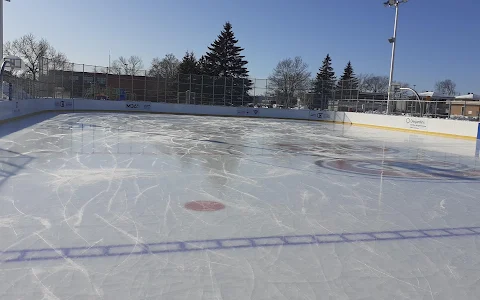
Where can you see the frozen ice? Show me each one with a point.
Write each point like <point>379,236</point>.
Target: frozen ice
<point>93,207</point>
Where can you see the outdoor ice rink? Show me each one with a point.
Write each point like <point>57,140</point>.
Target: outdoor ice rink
<point>106,206</point>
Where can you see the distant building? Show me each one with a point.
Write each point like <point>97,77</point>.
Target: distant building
<point>466,105</point>
<point>444,105</point>
<point>469,96</point>
<point>434,96</point>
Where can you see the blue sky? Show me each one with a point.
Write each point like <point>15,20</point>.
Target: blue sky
<point>434,42</point>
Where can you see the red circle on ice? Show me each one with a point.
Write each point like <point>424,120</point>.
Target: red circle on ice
<point>204,205</point>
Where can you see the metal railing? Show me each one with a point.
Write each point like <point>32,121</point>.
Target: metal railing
<point>451,109</point>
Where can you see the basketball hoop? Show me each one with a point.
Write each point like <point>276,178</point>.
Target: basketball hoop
<point>395,87</point>
<point>9,63</point>
<point>13,63</point>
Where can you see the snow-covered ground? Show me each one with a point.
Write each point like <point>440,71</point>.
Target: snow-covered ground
<point>96,206</point>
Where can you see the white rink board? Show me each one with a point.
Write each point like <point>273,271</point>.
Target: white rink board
<point>430,125</point>
<point>13,109</point>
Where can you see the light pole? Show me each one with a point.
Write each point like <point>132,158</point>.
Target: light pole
<point>393,41</point>
<point>1,26</point>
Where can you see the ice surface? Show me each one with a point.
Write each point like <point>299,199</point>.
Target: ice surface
<point>93,207</point>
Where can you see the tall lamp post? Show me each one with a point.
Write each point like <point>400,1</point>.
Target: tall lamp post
<point>393,41</point>
<point>1,26</point>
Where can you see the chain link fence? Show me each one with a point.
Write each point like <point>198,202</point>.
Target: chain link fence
<point>69,80</point>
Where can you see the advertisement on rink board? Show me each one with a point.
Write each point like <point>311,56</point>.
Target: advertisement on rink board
<point>241,111</point>
<point>416,123</point>
<point>319,115</point>
<point>138,106</point>
<point>248,111</point>
<point>63,103</point>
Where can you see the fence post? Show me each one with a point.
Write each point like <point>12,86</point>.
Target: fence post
<point>254,86</point>
<point>16,91</point>
<point>341,90</point>
<point>71,79</point>
<point>145,90</point>
<point>178,88</point>
<point>48,79</point>
<point>266,91</point>
<point>201,92</point>
<point>231,93</point>
<point>213,91</point>
<point>243,89</point>
<point>54,80</point>
<point>119,83</point>
<point>132,94</point>
<point>83,81</point>
<point>158,86</point>
<point>190,88</point>
<point>94,82</point>
<point>63,71</point>
<point>166,85</point>
<point>358,92</point>
<point>225,92</point>
<point>351,88</point>
<point>449,108</point>
<point>107,89</point>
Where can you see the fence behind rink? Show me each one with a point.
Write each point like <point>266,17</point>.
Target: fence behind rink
<point>80,81</point>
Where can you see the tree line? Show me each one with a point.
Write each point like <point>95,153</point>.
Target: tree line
<point>226,66</point>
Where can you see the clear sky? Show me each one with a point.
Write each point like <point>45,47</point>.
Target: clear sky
<point>435,42</point>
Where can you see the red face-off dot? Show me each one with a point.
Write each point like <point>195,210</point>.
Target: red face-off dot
<point>204,205</point>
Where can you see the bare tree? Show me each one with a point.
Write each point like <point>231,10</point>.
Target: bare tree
<point>38,55</point>
<point>55,60</point>
<point>373,83</point>
<point>127,66</point>
<point>116,68</point>
<point>166,67</point>
<point>290,79</point>
<point>446,87</point>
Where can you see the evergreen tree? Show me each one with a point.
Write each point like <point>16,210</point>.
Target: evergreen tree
<point>224,59</point>
<point>189,64</point>
<point>203,66</point>
<point>324,84</point>
<point>348,79</point>
<point>347,86</point>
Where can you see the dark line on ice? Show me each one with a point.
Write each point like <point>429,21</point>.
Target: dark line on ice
<point>23,255</point>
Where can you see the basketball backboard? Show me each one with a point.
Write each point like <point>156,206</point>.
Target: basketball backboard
<point>396,87</point>
<point>13,63</point>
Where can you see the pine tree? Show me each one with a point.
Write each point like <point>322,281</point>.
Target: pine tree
<point>347,86</point>
<point>348,79</point>
<point>189,64</point>
<point>203,66</point>
<point>188,77</point>
<point>324,84</point>
<point>224,59</point>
